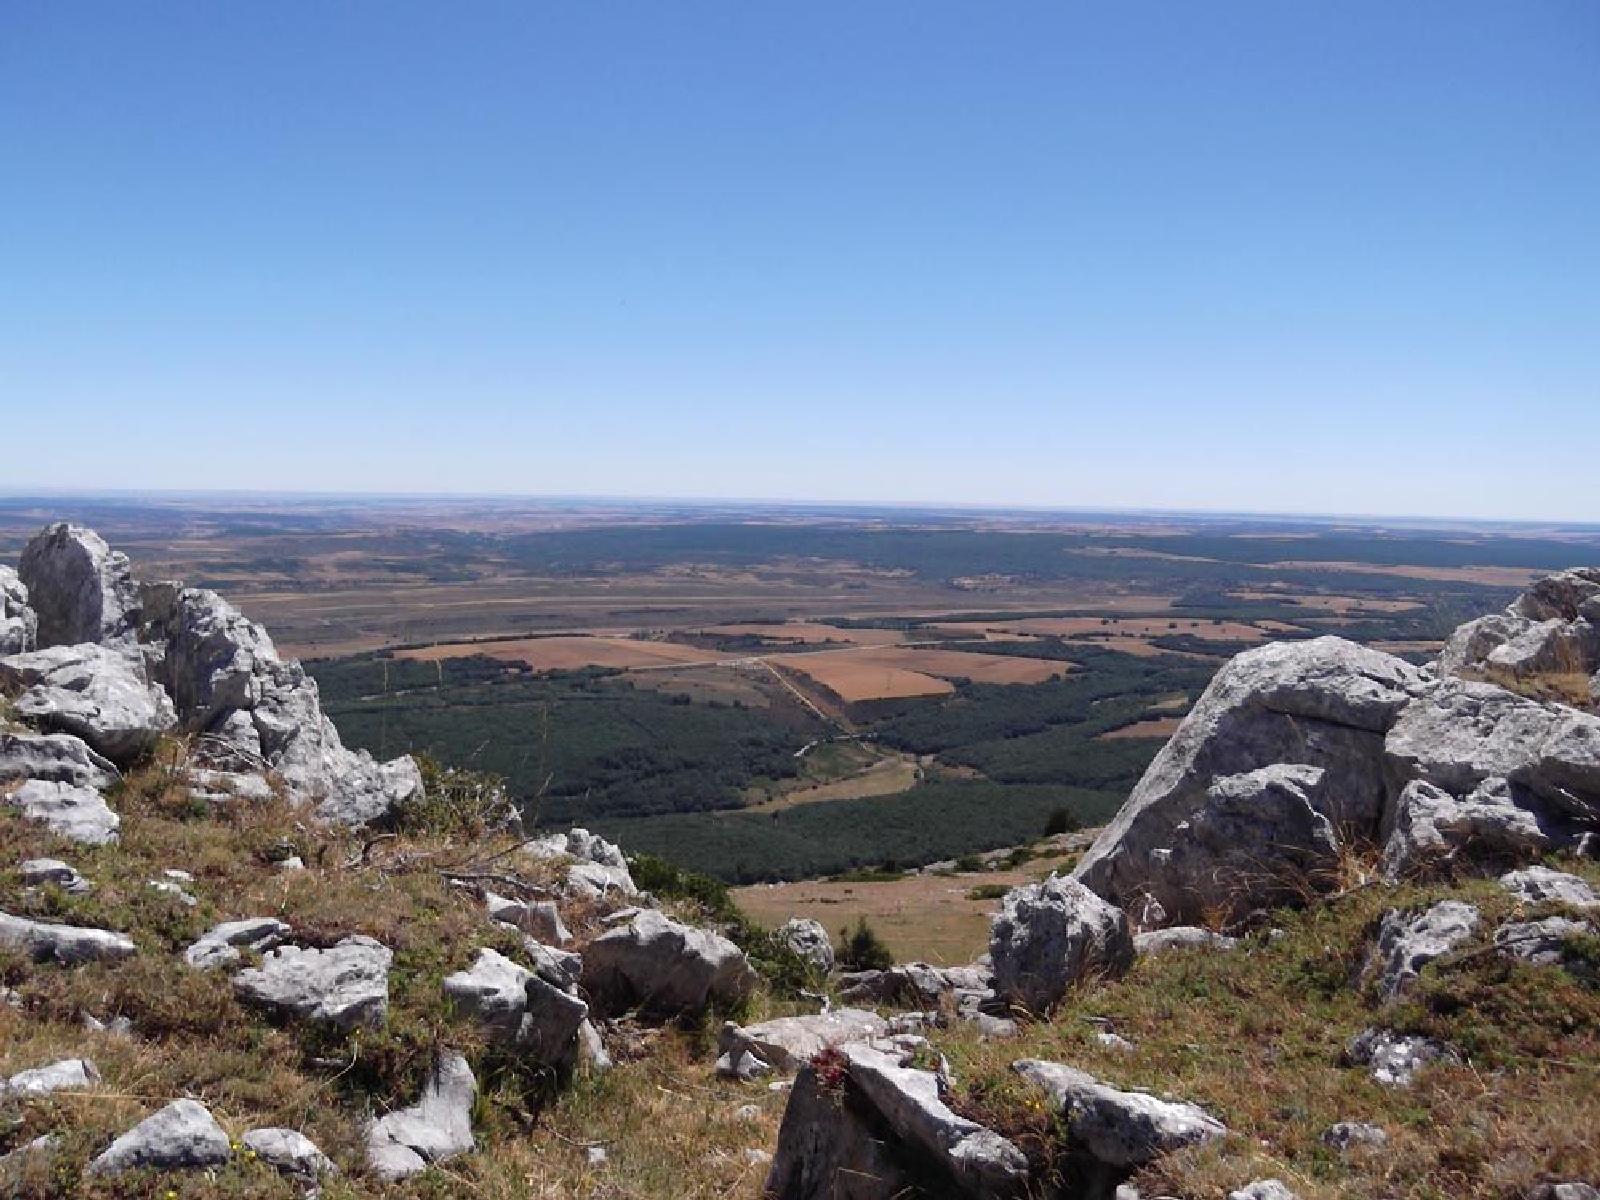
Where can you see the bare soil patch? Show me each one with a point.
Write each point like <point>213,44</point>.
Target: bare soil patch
<point>809,633</point>
<point>1155,727</point>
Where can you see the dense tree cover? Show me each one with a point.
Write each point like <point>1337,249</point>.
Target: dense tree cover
<point>932,821</point>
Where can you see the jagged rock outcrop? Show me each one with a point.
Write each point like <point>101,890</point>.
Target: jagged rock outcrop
<point>67,945</point>
<point>290,1153</point>
<point>1047,936</point>
<point>539,918</point>
<point>438,1127</point>
<point>183,1136</point>
<point>809,942</point>
<point>1323,704</point>
<point>785,1043</point>
<point>1409,941</point>
<point>53,758</point>
<point>223,945</point>
<point>866,1125</point>
<point>662,966</point>
<point>1114,1128</point>
<point>81,590</point>
<point>19,627</point>
<point>1551,629</point>
<point>598,867</point>
<point>78,814</point>
<point>1431,829</point>
<point>920,985</point>
<point>41,1081</point>
<point>92,692</point>
<point>519,1009</point>
<point>346,985</point>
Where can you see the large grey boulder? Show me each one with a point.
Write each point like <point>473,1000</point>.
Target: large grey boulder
<point>664,967</point>
<point>93,692</point>
<point>252,709</point>
<point>183,1136</point>
<point>346,985</point>
<point>786,1043</point>
<point>78,814</point>
<point>808,941</point>
<point>518,1008</point>
<point>290,1153</point>
<point>1542,885</point>
<point>1553,628</point>
<point>223,945</point>
<point>41,1081</point>
<point>67,945</point>
<point>80,589</point>
<point>1430,829</point>
<point>868,1126</point>
<point>438,1127</point>
<point>1114,1127</point>
<point>19,626</point>
<point>1326,704</point>
<point>1047,936</point>
<point>54,758</point>
<point>1409,941</point>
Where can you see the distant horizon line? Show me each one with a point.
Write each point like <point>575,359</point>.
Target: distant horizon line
<point>12,494</point>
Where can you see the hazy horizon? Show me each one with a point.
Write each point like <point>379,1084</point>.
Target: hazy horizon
<point>1243,258</point>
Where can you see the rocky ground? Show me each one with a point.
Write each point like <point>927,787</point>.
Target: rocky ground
<point>1341,942</point>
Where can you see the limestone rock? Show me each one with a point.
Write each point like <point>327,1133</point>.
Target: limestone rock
<point>919,983</point>
<point>53,758</point>
<point>346,985</point>
<point>1564,1191</point>
<point>540,918</point>
<point>598,867</point>
<point>19,626</point>
<point>224,787</point>
<point>78,814</point>
<point>64,944</point>
<point>1408,941</point>
<point>519,1008</point>
<point>1553,628</point>
<point>1542,943</point>
<point>222,945</point>
<point>1181,937</point>
<point>1393,1059</point>
<point>80,589</point>
<point>39,872</point>
<point>181,1136</point>
<point>436,1128</point>
<point>1047,936</point>
<point>1350,1135</point>
<point>1114,1127</point>
<point>788,1042</point>
<point>809,941</point>
<point>41,1081</point>
<point>665,967</point>
<point>833,1145</point>
<point>1263,1189</point>
<point>1431,828</point>
<point>1324,703</point>
<point>1541,885</point>
<point>290,1153</point>
<point>93,692</point>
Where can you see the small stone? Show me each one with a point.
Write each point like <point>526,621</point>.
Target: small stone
<point>290,1153</point>
<point>39,872</point>
<point>1112,1041</point>
<point>595,1156</point>
<point>1263,1189</point>
<point>436,1128</point>
<point>168,888</point>
<point>1348,1135</point>
<point>40,1081</point>
<point>1394,1059</point>
<point>78,814</point>
<point>222,945</point>
<point>1541,885</point>
<point>181,1136</point>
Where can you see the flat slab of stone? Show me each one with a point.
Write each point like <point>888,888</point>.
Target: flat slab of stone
<point>1119,1128</point>
<point>788,1042</point>
<point>223,945</point>
<point>41,1081</point>
<point>64,944</point>
<point>78,814</point>
<point>1409,941</point>
<point>181,1136</point>
<point>1181,937</point>
<point>54,758</point>
<point>346,985</point>
<point>1543,943</point>
<point>1542,885</point>
<point>436,1128</point>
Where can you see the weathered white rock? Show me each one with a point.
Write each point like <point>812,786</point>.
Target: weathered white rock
<point>19,626</point>
<point>1393,1059</point>
<point>93,692</point>
<point>518,1008</point>
<point>663,966</point>
<point>1181,937</point>
<point>788,1042</point>
<point>1409,941</point>
<point>742,1064</point>
<point>183,1136</point>
<point>223,945</point>
<point>78,814</point>
<point>64,944</point>
<point>80,589</point>
<point>436,1128</point>
<point>224,787</point>
<point>39,872</point>
<point>1564,1191</point>
<point>541,918</point>
<point>598,867</point>
<point>1118,1128</point>
<point>41,1081</point>
<point>346,985</point>
<point>559,968</point>
<point>1113,1041</point>
<point>1554,627</point>
<point>1047,936</point>
<point>809,941</point>
<point>290,1153</point>
<point>1263,1189</point>
<point>169,888</point>
<point>592,1049</point>
<point>1350,1135</point>
<point>1541,885</point>
<point>1325,703</point>
<point>53,758</point>
<point>1542,943</point>
<point>1430,828</point>
<point>918,983</point>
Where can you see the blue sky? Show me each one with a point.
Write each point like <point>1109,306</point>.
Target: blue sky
<point>1273,256</point>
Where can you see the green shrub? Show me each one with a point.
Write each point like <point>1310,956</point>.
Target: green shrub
<point>864,950</point>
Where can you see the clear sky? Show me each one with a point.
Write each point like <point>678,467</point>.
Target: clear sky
<point>1265,255</point>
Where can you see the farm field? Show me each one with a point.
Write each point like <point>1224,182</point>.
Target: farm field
<point>570,653</point>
